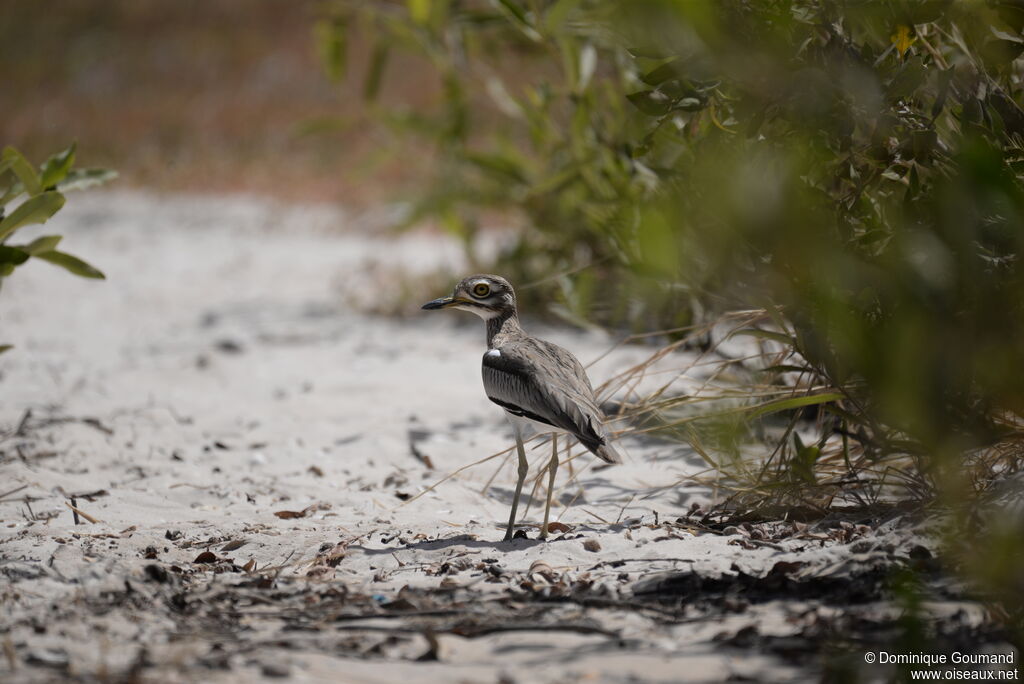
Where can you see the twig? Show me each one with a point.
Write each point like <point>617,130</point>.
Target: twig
<point>624,507</point>
<point>12,655</point>
<point>23,423</point>
<point>13,491</point>
<point>474,632</point>
<point>595,515</point>
<point>81,513</point>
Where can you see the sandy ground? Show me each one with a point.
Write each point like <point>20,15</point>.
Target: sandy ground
<point>251,448</point>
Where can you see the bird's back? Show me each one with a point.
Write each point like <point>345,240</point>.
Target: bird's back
<point>543,382</point>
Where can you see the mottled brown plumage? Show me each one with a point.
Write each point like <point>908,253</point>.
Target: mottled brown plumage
<point>535,381</point>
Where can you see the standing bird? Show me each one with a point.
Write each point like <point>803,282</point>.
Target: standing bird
<point>538,383</point>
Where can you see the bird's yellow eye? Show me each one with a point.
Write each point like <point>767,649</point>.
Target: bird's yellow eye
<point>481,290</point>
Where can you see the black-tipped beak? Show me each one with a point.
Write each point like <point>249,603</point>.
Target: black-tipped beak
<point>440,303</point>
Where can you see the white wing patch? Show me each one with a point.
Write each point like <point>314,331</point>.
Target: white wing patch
<point>493,353</point>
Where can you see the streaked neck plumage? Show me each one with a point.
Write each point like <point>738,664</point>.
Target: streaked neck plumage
<point>503,327</point>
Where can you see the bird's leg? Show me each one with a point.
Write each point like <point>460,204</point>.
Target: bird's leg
<point>523,468</point>
<point>552,469</point>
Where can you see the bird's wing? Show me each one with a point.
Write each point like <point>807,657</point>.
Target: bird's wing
<point>543,382</point>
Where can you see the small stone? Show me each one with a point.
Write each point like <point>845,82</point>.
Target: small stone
<point>155,573</point>
<point>277,670</point>
<point>920,553</point>
<point>592,545</point>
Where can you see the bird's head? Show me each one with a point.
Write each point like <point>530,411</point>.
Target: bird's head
<point>488,296</point>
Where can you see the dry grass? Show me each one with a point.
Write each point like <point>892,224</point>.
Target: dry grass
<point>742,425</point>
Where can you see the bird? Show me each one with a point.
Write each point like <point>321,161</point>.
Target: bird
<point>536,382</point>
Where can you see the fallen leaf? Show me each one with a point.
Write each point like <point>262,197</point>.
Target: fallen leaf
<point>541,568</point>
<point>288,515</point>
<point>206,557</point>
<point>559,527</point>
<point>785,568</point>
<point>592,545</point>
<point>903,39</point>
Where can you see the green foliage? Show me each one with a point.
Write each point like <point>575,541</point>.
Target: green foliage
<point>43,190</point>
<point>853,165</point>
<point>853,169</point>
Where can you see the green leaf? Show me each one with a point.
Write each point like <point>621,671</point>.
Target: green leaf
<point>659,250</point>
<point>23,170</point>
<point>56,167</point>
<point>659,75</point>
<point>330,36</point>
<point>419,10</point>
<point>375,71</point>
<point>558,13</point>
<point>795,402</point>
<point>520,18</point>
<point>46,243</point>
<point>803,461</point>
<point>80,179</point>
<point>72,264</point>
<point>503,167</point>
<point>11,192</point>
<point>998,52</point>
<point>13,255</point>
<point>5,347</point>
<point>36,209</point>
<point>651,102</point>
<point>907,80</point>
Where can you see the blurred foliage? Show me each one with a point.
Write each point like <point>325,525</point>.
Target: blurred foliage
<point>188,96</point>
<point>853,169</point>
<point>41,194</point>
<point>852,165</point>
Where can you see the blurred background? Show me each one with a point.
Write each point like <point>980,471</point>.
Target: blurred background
<point>849,171</point>
<point>215,97</point>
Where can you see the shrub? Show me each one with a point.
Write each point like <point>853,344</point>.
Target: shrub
<point>852,169</point>
<point>43,192</point>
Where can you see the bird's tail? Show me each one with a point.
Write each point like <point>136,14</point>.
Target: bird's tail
<point>607,453</point>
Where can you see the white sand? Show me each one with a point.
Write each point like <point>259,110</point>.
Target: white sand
<point>226,356</point>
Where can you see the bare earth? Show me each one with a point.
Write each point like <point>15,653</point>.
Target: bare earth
<point>250,446</point>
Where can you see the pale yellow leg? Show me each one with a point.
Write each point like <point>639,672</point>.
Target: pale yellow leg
<point>552,469</point>
<point>523,469</point>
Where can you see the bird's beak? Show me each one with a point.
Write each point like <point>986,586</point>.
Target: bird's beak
<point>441,303</point>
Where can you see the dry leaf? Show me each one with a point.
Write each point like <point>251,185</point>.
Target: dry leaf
<point>288,515</point>
<point>539,567</point>
<point>206,557</point>
<point>592,545</point>
<point>903,39</point>
<point>559,527</point>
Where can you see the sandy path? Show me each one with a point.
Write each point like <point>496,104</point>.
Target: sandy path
<point>223,373</point>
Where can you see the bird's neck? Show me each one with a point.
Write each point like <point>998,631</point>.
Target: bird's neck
<point>503,327</point>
